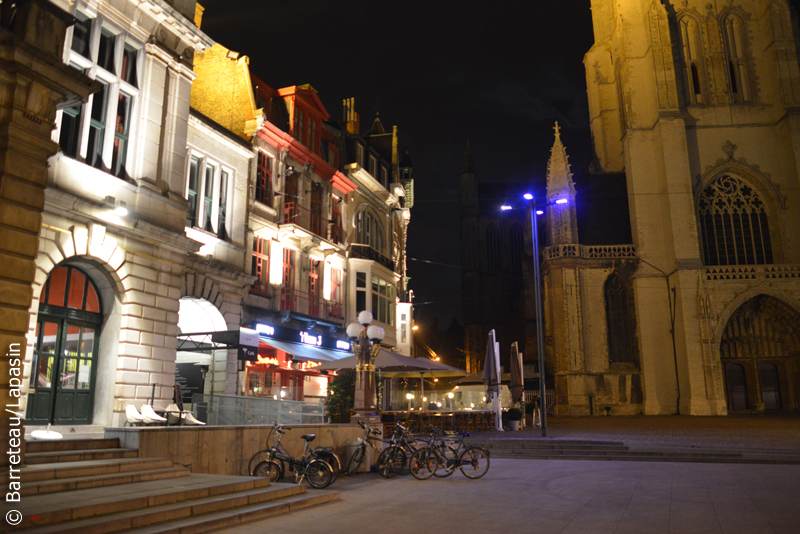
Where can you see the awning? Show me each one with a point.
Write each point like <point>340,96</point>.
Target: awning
<point>304,352</point>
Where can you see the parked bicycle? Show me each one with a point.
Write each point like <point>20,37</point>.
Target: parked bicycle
<point>358,455</point>
<point>318,473</point>
<point>326,454</point>
<point>471,459</point>
<point>393,459</point>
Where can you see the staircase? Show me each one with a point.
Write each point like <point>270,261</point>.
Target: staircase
<point>543,449</point>
<point>94,486</point>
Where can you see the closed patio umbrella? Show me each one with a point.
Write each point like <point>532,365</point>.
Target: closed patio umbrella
<point>491,376</point>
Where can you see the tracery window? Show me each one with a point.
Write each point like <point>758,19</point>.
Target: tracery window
<point>692,61</point>
<point>734,226</point>
<point>493,252</point>
<point>619,321</point>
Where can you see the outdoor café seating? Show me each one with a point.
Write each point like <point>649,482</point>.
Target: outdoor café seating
<point>449,421</point>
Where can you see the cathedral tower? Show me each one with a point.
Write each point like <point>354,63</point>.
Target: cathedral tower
<point>696,101</point>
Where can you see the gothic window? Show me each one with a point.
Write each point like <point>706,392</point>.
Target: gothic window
<point>515,248</point>
<point>734,227</point>
<point>733,34</point>
<point>493,257</point>
<point>692,61</point>
<point>619,321</point>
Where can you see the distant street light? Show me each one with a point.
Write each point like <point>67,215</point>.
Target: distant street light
<point>538,296</point>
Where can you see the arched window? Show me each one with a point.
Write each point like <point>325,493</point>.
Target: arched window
<point>693,66</point>
<point>733,224</point>
<point>619,321</point>
<point>733,37</point>
<point>493,258</point>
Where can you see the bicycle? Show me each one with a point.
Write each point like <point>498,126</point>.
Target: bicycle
<point>326,454</point>
<point>361,450</point>
<point>471,459</point>
<point>318,473</point>
<point>392,460</point>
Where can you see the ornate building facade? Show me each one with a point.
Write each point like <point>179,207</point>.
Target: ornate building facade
<point>696,103</point>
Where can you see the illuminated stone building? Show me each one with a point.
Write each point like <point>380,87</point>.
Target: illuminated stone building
<point>696,103</point>
<point>114,257</point>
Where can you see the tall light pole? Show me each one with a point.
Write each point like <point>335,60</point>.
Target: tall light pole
<point>365,341</point>
<point>537,288</point>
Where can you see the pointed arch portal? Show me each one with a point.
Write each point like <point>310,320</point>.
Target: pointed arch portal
<point>760,354</point>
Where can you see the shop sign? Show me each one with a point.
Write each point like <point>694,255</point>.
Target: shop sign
<point>248,344</point>
<point>281,333</point>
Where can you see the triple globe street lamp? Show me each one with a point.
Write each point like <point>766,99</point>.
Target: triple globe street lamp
<point>365,342</point>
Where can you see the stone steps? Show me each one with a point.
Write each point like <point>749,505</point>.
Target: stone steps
<point>50,457</point>
<point>100,495</point>
<point>53,445</point>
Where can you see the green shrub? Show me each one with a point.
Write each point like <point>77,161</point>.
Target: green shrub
<point>514,414</point>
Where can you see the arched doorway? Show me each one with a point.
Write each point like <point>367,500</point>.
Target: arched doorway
<point>64,366</point>
<point>760,352</point>
<point>737,387</point>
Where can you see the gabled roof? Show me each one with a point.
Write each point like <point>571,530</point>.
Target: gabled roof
<point>309,96</point>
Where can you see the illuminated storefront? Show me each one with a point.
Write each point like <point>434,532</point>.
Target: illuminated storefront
<point>285,365</point>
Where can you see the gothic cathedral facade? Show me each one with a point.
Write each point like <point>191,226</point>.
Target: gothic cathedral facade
<point>697,104</point>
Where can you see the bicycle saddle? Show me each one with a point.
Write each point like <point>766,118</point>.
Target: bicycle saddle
<point>308,437</point>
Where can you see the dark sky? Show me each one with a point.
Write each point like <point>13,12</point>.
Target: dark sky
<point>444,71</point>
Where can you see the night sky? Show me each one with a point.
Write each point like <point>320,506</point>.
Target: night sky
<point>497,74</point>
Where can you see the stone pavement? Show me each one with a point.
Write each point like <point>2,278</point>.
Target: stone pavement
<point>761,431</point>
<point>561,496</point>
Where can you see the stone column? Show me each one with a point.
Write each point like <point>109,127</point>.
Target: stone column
<point>33,83</point>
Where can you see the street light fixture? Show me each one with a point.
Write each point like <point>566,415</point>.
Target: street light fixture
<point>538,296</point>
<point>365,341</point>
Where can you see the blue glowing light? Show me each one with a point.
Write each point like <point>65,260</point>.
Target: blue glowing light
<point>539,212</point>
<point>561,201</point>
<point>505,208</point>
<point>528,196</point>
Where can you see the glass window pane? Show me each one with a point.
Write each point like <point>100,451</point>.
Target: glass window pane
<point>69,368</point>
<point>84,374</point>
<point>105,52</point>
<point>87,343</point>
<point>77,283</point>
<point>49,338</point>
<point>80,36</point>
<point>129,65</point>
<point>73,341</point>
<point>70,131</point>
<point>45,375</point>
<point>58,287</point>
<point>92,302</point>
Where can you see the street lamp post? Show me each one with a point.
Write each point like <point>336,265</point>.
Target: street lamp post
<point>365,341</point>
<point>539,333</point>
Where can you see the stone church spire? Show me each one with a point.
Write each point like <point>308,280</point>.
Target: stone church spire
<point>561,219</point>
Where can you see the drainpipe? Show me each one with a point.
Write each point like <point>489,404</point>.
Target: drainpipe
<point>672,299</point>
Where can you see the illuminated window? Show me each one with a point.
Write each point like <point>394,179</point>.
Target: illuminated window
<point>382,300</point>
<point>210,209</point>
<point>734,227</point>
<point>264,179</point>
<point>99,132</point>
<point>260,266</point>
<point>336,285</point>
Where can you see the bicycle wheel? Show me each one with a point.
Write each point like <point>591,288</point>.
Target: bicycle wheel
<point>269,469</point>
<point>423,464</point>
<point>384,463</point>
<point>355,461</point>
<point>257,458</point>
<point>400,460</point>
<point>474,462</point>
<point>447,464</point>
<point>329,458</point>
<point>319,474</point>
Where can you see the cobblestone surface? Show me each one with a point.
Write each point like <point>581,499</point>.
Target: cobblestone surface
<point>763,431</point>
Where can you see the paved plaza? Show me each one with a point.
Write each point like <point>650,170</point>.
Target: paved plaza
<point>592,497</point>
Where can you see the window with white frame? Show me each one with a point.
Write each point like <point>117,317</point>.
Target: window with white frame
<point>99,132</point>
<point>208,192</point>
<point>382,300</point>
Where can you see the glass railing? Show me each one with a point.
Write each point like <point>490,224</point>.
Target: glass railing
<point>232,410</point>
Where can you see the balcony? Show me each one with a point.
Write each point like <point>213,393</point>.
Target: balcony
<point>366,252</point>
<point>317,307</point>
<point>311,220</point>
